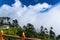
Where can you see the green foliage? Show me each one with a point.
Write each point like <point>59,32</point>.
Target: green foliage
<point>29,30</point>
<point>46,37</point>
<point>15,23</point>
<point>42,33</point>
<point>52,34</point>
<point>58,37</point>
<point>10,31</point>
<point>19,31</point>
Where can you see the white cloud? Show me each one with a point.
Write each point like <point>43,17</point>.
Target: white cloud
<point>17,3</point>
<point>32,14</point>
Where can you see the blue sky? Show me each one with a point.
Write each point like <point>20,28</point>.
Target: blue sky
<point>29,2</point>
<point>36,12</point>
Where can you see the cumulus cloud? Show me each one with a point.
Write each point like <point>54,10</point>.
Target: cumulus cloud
<point>32,14</point>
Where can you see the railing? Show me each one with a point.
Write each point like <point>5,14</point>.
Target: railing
<point>11,36</point>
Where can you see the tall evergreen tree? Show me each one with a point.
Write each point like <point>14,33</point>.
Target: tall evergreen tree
<point>29,30</point>
<point>42,32</point>
<point>46,31</point>
<point>15,24</point>
<point>52,34</point>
